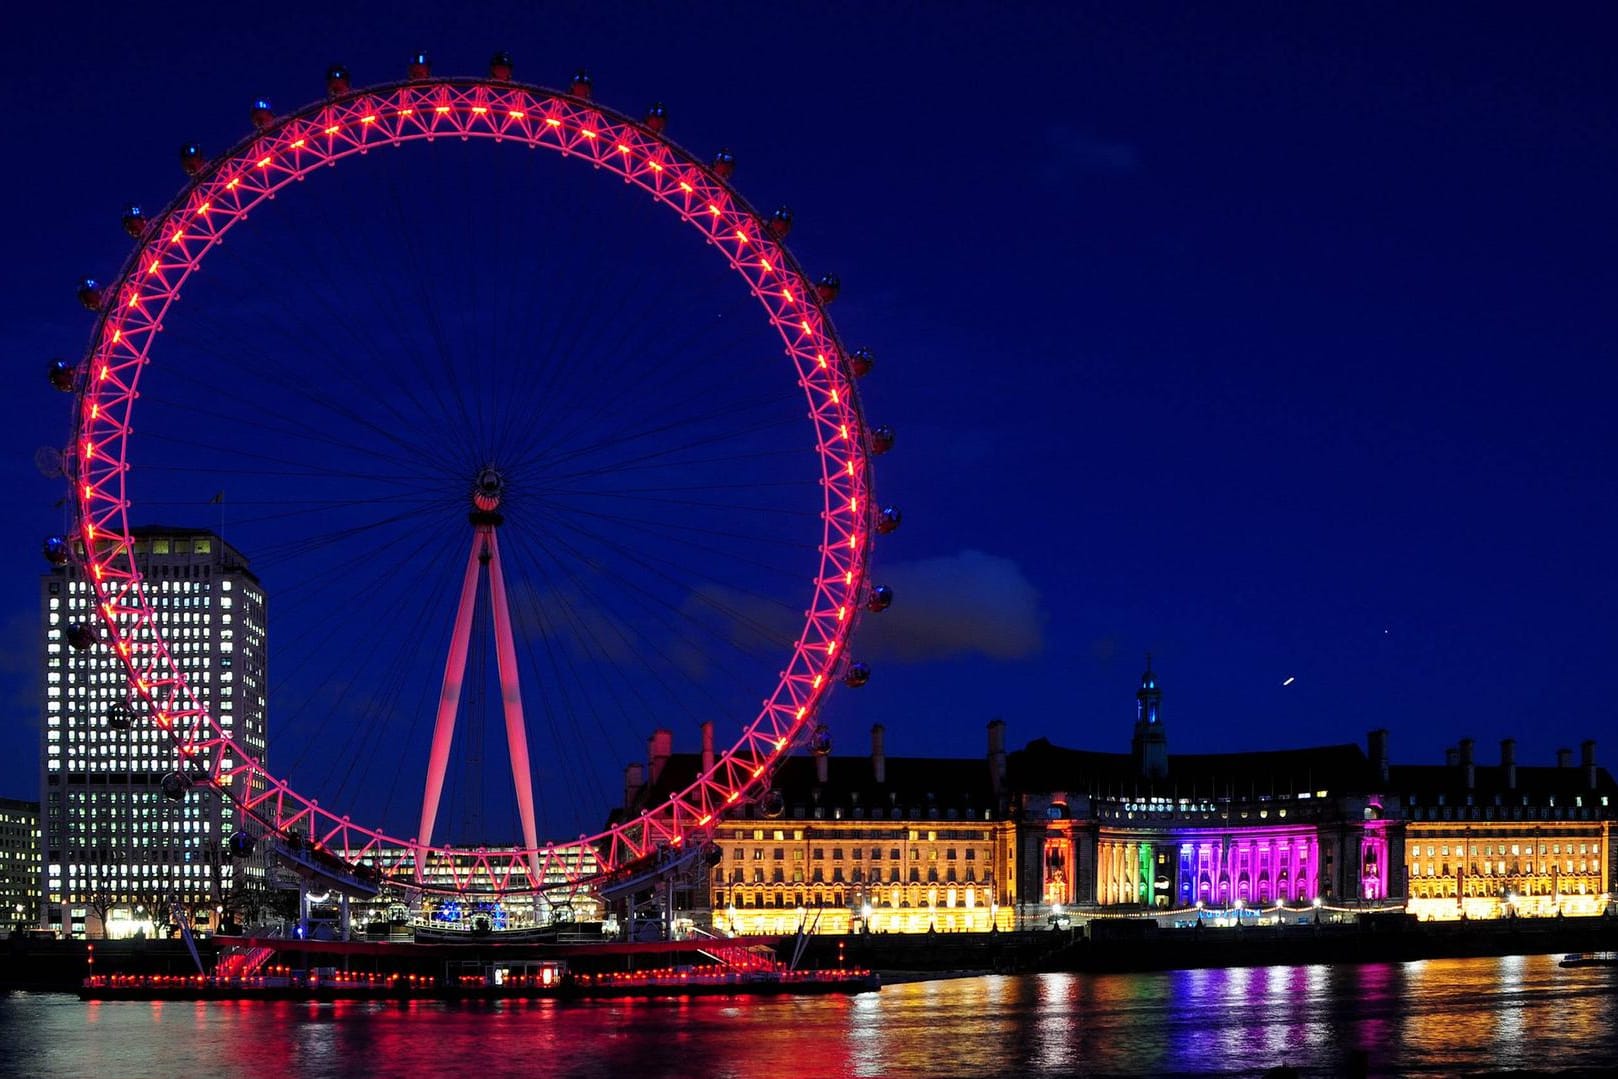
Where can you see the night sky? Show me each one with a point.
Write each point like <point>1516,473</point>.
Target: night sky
<point>1277,343</point>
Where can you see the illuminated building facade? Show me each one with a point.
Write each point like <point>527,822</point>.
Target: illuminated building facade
<point>19,864</point>
<point>1489,841</point>
<point>848,844</point>
<point>1155,831</point>
<point>115,848</point>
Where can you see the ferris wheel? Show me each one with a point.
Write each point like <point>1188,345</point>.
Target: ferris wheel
<point>593,506</point>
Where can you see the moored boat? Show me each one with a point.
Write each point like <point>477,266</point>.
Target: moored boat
<point>1591,959</point>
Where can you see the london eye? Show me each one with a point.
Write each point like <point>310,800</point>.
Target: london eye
<point>530,464</point>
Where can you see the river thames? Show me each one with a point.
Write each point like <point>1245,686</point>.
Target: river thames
<point>1435,1017</point>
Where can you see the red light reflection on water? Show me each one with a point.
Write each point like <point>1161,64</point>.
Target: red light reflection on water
<point>1438,1017</point>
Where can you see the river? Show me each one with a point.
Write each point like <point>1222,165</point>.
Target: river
<point>1434,1017</point>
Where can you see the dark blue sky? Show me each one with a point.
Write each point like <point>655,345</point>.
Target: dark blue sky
<point>1280,343</point>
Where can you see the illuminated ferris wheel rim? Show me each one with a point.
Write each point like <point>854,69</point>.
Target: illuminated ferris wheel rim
<point>284,150</point>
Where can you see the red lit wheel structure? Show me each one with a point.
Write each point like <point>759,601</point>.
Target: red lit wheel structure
<point>106,469</point>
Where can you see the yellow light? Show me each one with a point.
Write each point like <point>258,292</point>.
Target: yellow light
<point>815,682</point>
<point>848,578</point>
<point>233,183</point>
<point>332,130</point>
<point>406,112</point>
<point>780,744</point>
<point>263,162</point>
<point>853,505</point>
<point>204,208</point>
<point>517,114</point>
<point>831,647</point>
<point>705,820</point>
<point>834,395</point>
<point>553,121</point>
<point>854,541</point>
<point>685,187</point>
<point>802,712</point>
<point>788,294</point>
<point>849,468</point>
<point>622,149</point>
<point>587,133</point>
<point>758,771</point>
<point>733,796</point>
<point>179,234</point>
<point>766,264</point>
<point>713,210</point>
<point>88,491</point>
<point>479,110</point>
<point>441,110</point>
<point>95,412</point>
<point>655,166</point>
<point>842,429</point>
<point>365,120</point>
<point>842,613</point>
<point>298,145</point>
<point>153,267</point>
<point>89,449</point>
<point>116,334</point>
<point>131,302</point>
<point>741,236</point>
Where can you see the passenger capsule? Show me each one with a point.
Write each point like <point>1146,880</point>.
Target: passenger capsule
<point>261,114</point>
<point>780,223</point>
<point>119,717</point>
<point>56,550</point>
<point>820,741</point>
<point>857,675</point>
<point>861,360</point>
<point>881,439</point>
<point>241,844</point>
<point>82,636</point>
<point>581,84</point>
<point>773,804</point>
<point>336,80</point>
<point>191,159</point>
<point>500,67</point>
<point>881,598</point>
<point>887,520</point>
<point>420,68</point>
<point>827,287</point>
<point>724,164</point>
<point>657,118</point>
<point>134,222</point>
<point>174,785</point>
<point>63,375</point>
<point>90,294</point>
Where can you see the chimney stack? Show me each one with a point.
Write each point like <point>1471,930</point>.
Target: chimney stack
<point>1587,755</point>
<point>1564,757</point>
<point>997,754</point>
<point>634,779</point>
<point>707,747</point>
<point>879,757</point>
<point>1466,763</point>
<point>822,767</point>
<point>1452,757</point>
<point>1508,762</point>
<point>1378,741</point>
<point>658,748</point>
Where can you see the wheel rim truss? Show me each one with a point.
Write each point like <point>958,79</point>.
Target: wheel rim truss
<point>282,153</point>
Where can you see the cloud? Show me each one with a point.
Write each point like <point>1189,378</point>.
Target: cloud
<point>1071,151</point>
<point>969,603</point>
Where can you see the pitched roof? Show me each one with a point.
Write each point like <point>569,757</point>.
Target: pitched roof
<point>1042,766</point>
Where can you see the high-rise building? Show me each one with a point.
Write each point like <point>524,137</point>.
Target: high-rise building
<point>19,864</point>
<point>116,849</point>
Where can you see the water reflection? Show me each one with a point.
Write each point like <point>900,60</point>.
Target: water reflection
<point>1437,1017</point>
